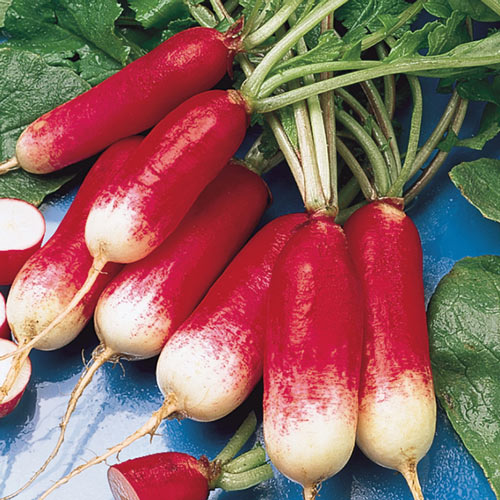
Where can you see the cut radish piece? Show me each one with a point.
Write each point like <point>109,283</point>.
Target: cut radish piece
<point>4,326</point>
<point>17,390</point>
<point>22,228</point>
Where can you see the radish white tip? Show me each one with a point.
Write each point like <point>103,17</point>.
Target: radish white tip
<point>8,165</point>
<point>409,472</point>
<point>310,492</point>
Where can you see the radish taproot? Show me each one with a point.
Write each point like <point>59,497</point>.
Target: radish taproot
<point>22,228</point>
<point>397,412</point>
<point>17,390</point>
<point>145,303</point>
<point>179,476</point>
<point>214,359</point>
<point>312,355</point>
<point>143,92</point>
<point>4,325</point>
<point>48,281</point>
<point>133,213</point>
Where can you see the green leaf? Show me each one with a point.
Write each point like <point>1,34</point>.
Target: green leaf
<point>475,9</point>
<point>30,88</point>
<point>62,31</point>
<point>33,188</point>
<point>464,329</point>
<point>479,182</point>
<point>438,8</point>
<point>4,5</point>
<point>488,129</point>
<point>448,35</point>
<point>480,90</point>
<point>158,13</point>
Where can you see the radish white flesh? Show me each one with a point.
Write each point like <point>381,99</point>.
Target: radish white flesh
<point>4,326</point>
<point>15,393</point>
<point>22,228</point>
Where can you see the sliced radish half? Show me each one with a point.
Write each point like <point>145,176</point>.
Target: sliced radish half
<point>4,326</point>
<point>22,228</point>
<point>17,390</point>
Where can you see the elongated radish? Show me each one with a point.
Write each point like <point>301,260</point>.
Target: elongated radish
<point>214,359</point>
<point>179,476</point>
<point>17,390</point>
<point>137,210</point>
<point>130,101</point>
<point>142,306</point>
<point>397,413</point>
<point>4,326</point>
<point>48,281</point>
<point>312,355</point>
<point>22,228</point>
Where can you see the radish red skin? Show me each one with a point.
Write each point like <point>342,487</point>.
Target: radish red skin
<point>128,102</point>
<point>213,361</point>
<point>54,273</point>
<point>12,259</point>
<point>312,355</point>
<point>396,370</point>
<point>178,158</point>
<point>147,301</point>
<point>170,475</point>
<point>4,326</point>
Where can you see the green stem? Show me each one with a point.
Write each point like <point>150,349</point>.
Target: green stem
<point>370,148</point>
<point>251,20</point>
<point>414,137</point>
<point>440,157</point>
<point>220,11</point>
<point>256,161</point>
<point>389,85</point>
<point>244,480</point>
<point>436,135</point>
<point>343,215</point>
<point>241,436</point>
<point>384,121</point>
<point>493,5</point>
<point>357,170</point>
<point>377,133</point>
<point>246,461</point>
<point>231,5</point>
<point>414,66</point>
<point>252,85</point>
<point>287,75</point>
<point>265,31</point>
<point>348,193</point>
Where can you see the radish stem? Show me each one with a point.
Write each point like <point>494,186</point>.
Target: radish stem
<point>245,430</point>
<point>244,480</point>
<point>249,460</point>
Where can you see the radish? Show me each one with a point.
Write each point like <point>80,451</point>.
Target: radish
<point>49,279</point>
<point>133,213</point>
<point>148,300</point>
<point>312,355</point>
<point>4,326</point>
<point>128,102</point>
<point>214,359</point>
<point>22,228</point>
<point>179,476</point>
<point>397,412</point>
<point>17,390</point>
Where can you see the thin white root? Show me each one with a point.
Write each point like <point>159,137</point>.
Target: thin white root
<point>89,282</point>
<point>409,472</point>
<point>14,371</point>
<point>169,407</point>
<point>10,164</point>
<point>100,356</point>
<point>310,492</point>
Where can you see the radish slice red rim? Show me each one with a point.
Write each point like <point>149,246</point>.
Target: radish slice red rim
<point>4,326</point>
<point>15,393</point>
<point>22,228</point>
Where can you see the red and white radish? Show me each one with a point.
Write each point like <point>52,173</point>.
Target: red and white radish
<point>50,278</point>
<point>22,228</point>
<point>128,102</point>
<point>179,476</point>
<point>17,390</point>
<point>4,326</point>
<point>397,412</point>
<point>134,212</point>
<point>214,359</point>
<point>145,303</point>
<point>312,355</point>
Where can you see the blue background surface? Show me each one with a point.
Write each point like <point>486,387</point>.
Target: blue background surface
<point>122,397</point>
